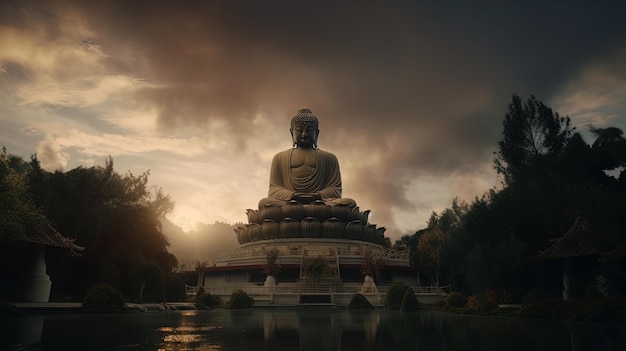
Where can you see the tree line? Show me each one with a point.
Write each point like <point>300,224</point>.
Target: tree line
<point>549,177</point>
<point>115,217</point>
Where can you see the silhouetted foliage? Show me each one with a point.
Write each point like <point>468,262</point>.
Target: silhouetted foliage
<point>316,268</point>
<point>19,215</point>
<point>456,299</point>
<point>395,294</point>
<point>533,138</point>
<point>117,217</point>
<point>271,267</point>
<point>103,298</point>
<point>359,302</point>
<point>550,177</point>
<point>371,264</point>
<point>409,301</point>
<point>21,222</point>
<point>239,300</point>
<point>430,245</point>
<point>207,301</point>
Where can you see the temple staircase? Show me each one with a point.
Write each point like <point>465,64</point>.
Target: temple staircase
<point>319,292</point>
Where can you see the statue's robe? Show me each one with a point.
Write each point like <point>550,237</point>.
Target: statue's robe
<point>325,180</point>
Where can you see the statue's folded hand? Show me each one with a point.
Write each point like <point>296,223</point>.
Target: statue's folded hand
<point>306,198</point>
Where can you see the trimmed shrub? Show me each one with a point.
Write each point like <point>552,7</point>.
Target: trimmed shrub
<point>536,295</point>
<point>359,302</point>
<point>491,296</point>
<point>456,300</point>
<point>239,300</point>
<point>409,301</point>
<point>103,298</point>
<point>473,303</point>
<point>207,301</point>
<point>393,299</point>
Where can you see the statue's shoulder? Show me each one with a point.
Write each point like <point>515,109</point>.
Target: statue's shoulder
<point>326,154</point>
<point>282,155</point>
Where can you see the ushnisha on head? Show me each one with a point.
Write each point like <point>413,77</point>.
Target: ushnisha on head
<point>304,129</point>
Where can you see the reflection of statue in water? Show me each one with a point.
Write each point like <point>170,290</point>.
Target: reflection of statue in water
<point>305,173</point>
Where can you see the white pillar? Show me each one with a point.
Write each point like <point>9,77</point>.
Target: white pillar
<point>36,283</point>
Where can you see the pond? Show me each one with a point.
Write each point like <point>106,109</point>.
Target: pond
<point>265,329</point>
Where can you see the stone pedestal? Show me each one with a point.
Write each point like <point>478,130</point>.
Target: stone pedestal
<point>36,284</point>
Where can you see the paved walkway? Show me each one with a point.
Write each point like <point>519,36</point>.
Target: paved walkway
<point>75,306</point>
<point>52,306</point>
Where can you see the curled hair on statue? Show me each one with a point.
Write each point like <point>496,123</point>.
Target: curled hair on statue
<point>304,115</point>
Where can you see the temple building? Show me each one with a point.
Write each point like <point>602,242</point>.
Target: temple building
<point>35,285</point>
<point>577,253</point>
<point>305,243</point>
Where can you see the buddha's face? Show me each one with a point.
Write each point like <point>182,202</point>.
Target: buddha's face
<point>304,134</point>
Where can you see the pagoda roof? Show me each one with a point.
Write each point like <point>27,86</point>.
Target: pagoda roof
<point>577,242</point>
<point>48,236</point>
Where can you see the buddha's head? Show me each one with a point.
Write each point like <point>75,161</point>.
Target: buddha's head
<point>304,129</point>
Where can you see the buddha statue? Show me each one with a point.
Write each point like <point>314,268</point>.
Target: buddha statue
<point>305,173</point>
<point>304,197</point>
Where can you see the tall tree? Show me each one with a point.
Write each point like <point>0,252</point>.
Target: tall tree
<point>117,217</point>
<point>430,247</point>
<point>533,137</point>
<point>19,215</point>
<point>551,176</point>
<point>609,148</point>
<point>534,141</point>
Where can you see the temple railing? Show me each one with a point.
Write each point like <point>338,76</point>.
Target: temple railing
<point>191,290</point>
<point>344,252</point>
<point>307,288</point>
<point>425,290</point>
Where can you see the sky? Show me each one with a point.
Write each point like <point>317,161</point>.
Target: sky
<point>410,95</point>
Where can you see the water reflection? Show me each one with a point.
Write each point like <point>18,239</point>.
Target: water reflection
<point>302,330</point>
<point>188,335</point>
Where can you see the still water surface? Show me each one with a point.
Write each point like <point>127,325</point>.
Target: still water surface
<point>302,330</point>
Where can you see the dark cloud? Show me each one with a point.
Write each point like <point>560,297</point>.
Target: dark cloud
<point>404,63</point>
